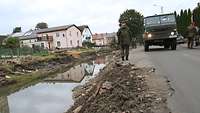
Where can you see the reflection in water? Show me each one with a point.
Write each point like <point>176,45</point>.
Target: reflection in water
<point>75,74</point>
<point>54,96</point>
<point>4,108</point>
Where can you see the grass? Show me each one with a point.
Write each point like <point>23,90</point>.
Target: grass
<point>31,79</point>
<point>23,81</point>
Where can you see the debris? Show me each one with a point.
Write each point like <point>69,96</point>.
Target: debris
<point>78,109</point>
<point>120,89</point>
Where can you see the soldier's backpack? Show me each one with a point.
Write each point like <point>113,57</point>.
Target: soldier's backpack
<point>124,36</point>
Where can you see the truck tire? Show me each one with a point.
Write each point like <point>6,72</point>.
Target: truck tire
<point>166,44</point>
<point>146,46</point>
<point>173,44</point>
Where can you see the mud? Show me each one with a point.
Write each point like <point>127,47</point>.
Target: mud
<point>122,88</point>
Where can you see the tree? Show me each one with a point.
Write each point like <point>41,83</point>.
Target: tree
<point>183,21</point>
<point>12,43</point>
<point>17,29</point>
<point>196,15</point>
<point>134,21</point>
<point>41,25</point>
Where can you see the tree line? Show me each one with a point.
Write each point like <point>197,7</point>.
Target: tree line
<point>185,17</point>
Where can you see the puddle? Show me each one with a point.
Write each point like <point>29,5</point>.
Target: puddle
<point>53,95</point>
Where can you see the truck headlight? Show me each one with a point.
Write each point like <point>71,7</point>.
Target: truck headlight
<point>149,35</point>
<point>172,33</point>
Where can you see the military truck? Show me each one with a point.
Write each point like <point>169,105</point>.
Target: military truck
<point>160,30</point>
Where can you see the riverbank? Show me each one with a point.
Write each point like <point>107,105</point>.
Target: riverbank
<point>31,70</point>
<point>122,88</point>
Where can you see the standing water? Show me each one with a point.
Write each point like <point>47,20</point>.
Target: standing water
<point>53,95</point>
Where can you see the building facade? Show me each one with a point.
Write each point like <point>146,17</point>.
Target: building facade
<point>86,33</point>
<point>60,37</point>
<point>104,39</point>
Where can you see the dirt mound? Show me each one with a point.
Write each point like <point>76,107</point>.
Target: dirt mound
<point>50,63</point>
<point>122,89</point>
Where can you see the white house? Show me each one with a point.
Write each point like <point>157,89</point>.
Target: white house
<point>29,39</point>
<point>86,33</point>
<point>68,36</point>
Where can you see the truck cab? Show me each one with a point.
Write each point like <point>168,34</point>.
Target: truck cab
<point>160,30</point>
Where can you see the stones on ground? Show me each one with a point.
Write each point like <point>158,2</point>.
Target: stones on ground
<point>120,90</point>
<point>78,109</point>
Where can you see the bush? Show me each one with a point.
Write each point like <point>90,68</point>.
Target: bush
<point>88,44</point>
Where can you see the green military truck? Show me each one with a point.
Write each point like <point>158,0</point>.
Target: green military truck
<point>160,30</point>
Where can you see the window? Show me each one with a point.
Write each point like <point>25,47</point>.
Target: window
<point>77,33</point>
<point>58,44</point>
<point>63,35</point>
<point>42,45</point>
<point>57,34</point>
<point>78,42</point>
<point>70,33</point>
<point>71,43</point>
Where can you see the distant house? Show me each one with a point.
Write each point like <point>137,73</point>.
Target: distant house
<point>17,35</point>
<point>86,33</point>
<point>68,36</point>
<point>98,39</point>
<point>29,39</point>
<point>104,39</point>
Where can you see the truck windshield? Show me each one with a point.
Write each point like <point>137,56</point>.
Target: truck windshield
<point>167,19</point>
<point>159,20</point>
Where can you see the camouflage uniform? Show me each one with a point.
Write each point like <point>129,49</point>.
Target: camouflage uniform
<point>191,34</point>
<point>124,40</point>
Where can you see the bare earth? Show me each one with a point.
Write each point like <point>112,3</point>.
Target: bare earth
<point>123,87</point>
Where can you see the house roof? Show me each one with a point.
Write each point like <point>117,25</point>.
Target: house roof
<point>18,34</point>
<point>31,34</point>
<point>97,36</point>
<point>52,29</point>
<point>103,35</point>
<point>83,27</point>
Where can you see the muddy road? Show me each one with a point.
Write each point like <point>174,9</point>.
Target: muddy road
<point>181,67</point>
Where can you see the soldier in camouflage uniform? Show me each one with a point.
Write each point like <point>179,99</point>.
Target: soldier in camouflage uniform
<point>124,40</point>
<point>191,32</point>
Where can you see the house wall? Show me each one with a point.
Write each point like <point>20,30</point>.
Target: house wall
<point>74,38</point>
<point>69,38</point>
<point>99,42</point>
<point>28,42</point>
<point>58,36</point>
<point>86,33</point>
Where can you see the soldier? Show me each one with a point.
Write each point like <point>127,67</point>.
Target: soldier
<point>197,36</point>
<point>134,42</point>
<point>124,40</point>
<point>191,32</point>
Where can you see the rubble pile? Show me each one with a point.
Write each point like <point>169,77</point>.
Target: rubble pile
<point>120,89</point>
<point>3,78</point>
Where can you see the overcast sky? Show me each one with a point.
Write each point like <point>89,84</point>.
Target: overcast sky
<point>100,15</point>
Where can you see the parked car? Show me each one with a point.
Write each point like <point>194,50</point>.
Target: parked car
<point>180,39</point>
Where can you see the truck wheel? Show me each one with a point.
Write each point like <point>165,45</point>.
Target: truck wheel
<point>166,45</point>
<point>173,45</point>
<point>146,47</point>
